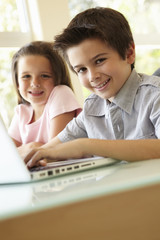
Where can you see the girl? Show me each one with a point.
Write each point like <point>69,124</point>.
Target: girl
<point>46,102</point>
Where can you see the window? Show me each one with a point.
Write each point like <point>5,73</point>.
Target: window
<point>14,32</point>
<point>143,17</point>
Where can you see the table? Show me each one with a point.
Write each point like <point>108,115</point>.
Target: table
<point>121,201</point>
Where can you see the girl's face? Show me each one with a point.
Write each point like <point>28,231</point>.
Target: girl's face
<point>99,67</point>
<point>36,79</point>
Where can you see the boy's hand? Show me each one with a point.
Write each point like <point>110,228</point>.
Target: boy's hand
<point>33,154</point>
<point>23,150</point>
<point>63,151</point>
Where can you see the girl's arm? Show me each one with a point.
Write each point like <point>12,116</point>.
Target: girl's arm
<point>128,150</point>
<point>16,142</point>
<point>58,123</point>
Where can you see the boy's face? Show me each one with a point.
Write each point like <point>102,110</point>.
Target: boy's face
<point>99,67</point>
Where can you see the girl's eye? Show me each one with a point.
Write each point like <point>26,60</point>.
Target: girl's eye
<point>46,76</point>
<point>26,76</point>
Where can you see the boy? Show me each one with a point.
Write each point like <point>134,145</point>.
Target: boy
<point>124,109</point>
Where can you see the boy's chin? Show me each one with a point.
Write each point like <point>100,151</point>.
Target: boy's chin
<point>103,96</point>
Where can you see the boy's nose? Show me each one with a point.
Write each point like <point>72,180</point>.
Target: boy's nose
<point>93,75</point>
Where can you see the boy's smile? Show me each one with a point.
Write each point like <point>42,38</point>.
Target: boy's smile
<point>99,67</point>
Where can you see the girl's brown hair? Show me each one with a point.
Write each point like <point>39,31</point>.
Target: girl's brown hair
<point>45,49</point>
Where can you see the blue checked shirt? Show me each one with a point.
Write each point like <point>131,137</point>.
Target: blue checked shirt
<point>133,114</point>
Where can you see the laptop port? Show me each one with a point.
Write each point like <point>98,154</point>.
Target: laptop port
<point>69,168</point>
<point>42,174</point>
<point>50,173</point>
<point>86,165</point>
<point>57,171</point>
<point>76,167</point>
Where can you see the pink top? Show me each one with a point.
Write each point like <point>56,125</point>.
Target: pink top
<point>61,100</point>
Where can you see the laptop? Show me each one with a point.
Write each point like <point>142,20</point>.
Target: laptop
<point>14,170</point>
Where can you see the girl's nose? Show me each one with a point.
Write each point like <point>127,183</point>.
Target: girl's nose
<point>35,82</point>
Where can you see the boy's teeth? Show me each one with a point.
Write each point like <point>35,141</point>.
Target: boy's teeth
<point>102,84</point>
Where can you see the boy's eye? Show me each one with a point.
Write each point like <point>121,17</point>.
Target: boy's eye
<point>81,70</point>
<point>100,60</point>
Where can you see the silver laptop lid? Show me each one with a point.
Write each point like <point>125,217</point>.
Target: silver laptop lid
<point>12,167</point>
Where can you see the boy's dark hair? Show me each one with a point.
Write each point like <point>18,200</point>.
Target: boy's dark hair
<point>104,23</point>
<point>45,49</point>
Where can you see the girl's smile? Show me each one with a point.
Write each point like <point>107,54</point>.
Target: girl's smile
<point>36,93</point>
<point>99,67</point>
<point>36,80</point>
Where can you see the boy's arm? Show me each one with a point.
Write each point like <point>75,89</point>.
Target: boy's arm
<point>128,150</point>
<point>24,149</point>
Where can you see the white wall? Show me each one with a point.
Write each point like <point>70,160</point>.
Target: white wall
<point>48,18</point>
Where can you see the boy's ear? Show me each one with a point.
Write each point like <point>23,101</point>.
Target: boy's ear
<point>131,54</point>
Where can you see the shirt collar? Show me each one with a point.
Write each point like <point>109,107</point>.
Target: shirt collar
<point>95,105</point>
<point>126,96</point>
<point>124,99</point>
